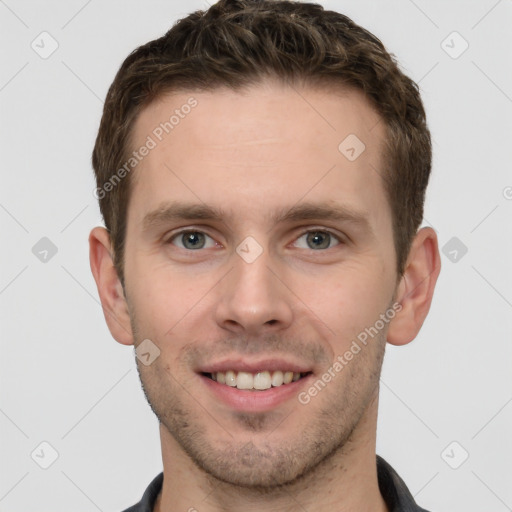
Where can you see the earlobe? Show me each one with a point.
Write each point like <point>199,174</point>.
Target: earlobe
<point>109,286</point>
<point>416,287</point>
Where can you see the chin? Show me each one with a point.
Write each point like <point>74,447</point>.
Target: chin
<point>255,471</point>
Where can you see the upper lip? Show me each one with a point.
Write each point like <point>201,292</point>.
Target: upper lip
<point>245,365</point>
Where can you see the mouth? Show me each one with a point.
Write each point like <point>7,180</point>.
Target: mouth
<point>257,381</point>
<point>255,386</point>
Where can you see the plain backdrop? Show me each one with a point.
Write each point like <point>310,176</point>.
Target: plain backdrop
<point>446,399</point>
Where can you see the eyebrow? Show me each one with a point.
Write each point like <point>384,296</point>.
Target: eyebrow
<point>179,210</point>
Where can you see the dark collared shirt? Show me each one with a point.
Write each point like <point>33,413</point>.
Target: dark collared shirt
<point>392,487</point>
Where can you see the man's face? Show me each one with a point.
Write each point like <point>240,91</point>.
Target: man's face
<point>258,290</point>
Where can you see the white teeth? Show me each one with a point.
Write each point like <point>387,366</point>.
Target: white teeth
<point>230,378</point>
<point>259,381</point>
<point>262,380</point>
<point>277,379</point>
<point>244,380</point>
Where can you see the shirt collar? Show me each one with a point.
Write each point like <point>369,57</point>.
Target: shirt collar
<point>393,489</point>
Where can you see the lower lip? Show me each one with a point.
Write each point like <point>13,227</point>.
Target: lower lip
<point>255,401</point>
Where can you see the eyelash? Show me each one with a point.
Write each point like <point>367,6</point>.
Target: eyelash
<point>324,231</point>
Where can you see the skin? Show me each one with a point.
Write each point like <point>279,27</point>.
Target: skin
<point>252,153</point>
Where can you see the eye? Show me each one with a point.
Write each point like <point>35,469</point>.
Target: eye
<point>318,240</point>
<point>192,240</point>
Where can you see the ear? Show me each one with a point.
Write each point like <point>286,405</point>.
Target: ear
<point>416,287</point>
<point>113,301</point>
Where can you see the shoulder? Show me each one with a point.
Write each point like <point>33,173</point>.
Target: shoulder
<point>149,497</point>
<point>394,490</point>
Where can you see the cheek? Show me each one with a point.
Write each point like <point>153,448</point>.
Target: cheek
<point>151,301</point>
<point>353,299</point>
<point>167,301</point>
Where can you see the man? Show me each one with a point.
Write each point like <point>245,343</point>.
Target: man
<point>261,170</point>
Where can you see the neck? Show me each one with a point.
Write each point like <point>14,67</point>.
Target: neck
<point>345,481</point>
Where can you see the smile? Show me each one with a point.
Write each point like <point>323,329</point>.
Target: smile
<point>258,381</point>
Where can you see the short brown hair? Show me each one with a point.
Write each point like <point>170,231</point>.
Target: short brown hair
<point>237,43</point>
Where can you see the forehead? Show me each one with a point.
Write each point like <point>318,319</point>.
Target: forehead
<point>257,113</point>
<point>265,146</point>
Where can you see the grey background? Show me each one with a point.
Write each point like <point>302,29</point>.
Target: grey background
<point>65,381</point>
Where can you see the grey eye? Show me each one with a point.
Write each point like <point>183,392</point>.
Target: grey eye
<point>318,240</point>
<point>192,240</point>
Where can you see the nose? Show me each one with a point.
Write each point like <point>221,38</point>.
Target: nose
<point>253,299</point>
